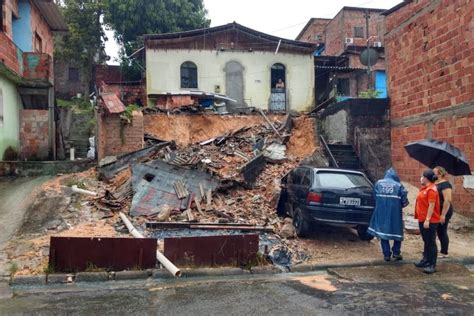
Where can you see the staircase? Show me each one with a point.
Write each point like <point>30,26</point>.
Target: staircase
<point>345,157</point>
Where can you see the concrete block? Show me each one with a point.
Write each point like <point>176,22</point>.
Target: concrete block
<point>302,268</point>
<point>29,280</point>
<point>59,278</point>
<point>265,270</point>
<point>132,275</point>
<point>224,271</point>
<point>91,276</point>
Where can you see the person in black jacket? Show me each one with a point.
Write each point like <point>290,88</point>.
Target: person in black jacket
<point>445,191</point>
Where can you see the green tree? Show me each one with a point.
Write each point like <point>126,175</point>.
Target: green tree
<point>131,19</point>
<point>84,43</point>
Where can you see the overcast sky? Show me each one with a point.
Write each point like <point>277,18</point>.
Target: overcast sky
<point>283,18</point>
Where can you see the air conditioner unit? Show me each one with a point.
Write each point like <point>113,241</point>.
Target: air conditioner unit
<point>377,44</point>
<point>349,40</point>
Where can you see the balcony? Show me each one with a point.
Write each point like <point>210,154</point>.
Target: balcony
<point>25,68</point>
<point>37,69</point>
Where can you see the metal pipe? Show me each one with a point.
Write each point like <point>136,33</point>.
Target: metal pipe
<point>75,189</point>
<point>161,258</point>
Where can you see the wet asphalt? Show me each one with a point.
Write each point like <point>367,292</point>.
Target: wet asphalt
<point>356,291</point>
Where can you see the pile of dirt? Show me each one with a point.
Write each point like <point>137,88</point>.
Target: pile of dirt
<point>189,129</point>
<point>303,137</point>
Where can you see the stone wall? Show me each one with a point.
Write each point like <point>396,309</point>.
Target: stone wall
<point>431,84</point>
<point>34,143</point>
<point>117,137</point>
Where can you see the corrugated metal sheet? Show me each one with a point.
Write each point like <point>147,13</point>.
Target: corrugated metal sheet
<point>50,11</point>
<point>112,103</point>
<point>73,254</point>
<point>236,250</point>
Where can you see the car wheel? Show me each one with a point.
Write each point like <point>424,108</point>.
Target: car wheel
<point>301,225</point>
<point>363,234</point>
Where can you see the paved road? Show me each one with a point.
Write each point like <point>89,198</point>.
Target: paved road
<point>367,291</point>
<point>16,195</point>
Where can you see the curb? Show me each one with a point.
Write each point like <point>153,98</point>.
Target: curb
<point>23,280</point>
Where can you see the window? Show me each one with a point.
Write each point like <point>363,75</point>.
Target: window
<point>73,74</point>
<point>342,180</point>
<point>307,178</point>
<point>278,73</point>
<point>343,87</point>
<point>296,176</point>
<point>319,37</point>
<point>1,107</point>
<point>189,75</point>
<point>359,31</point>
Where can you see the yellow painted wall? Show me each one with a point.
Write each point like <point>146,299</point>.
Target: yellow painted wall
<point>163,74</point>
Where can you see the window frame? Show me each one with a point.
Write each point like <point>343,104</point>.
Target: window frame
<point>191,76</point>
<point>359,32</point>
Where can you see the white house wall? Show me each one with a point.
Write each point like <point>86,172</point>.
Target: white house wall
<point>163,73</point>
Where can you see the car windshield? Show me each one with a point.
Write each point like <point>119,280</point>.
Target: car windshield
<point>342,180</point>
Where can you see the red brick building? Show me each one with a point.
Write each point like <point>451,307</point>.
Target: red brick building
<point>340,42</point>
<point>27,77</point>
<point>430,59</point>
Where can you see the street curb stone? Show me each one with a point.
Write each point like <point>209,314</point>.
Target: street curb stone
<point>58,278</point>
<point>302,268</point>
<point>29,280</point>
<point>161,274</point>
<point>265,270</point>
<point>91,276</point>
<point>132,275</point>
<point>214,272</point>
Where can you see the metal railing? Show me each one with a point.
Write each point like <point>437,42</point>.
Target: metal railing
<point>331,156</point>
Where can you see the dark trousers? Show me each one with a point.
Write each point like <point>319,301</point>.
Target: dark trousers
<point>442,232</point>
<point>430,250</point>
<point>397,245</point>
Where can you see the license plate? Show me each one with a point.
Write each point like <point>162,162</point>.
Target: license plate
<point>349,201</point>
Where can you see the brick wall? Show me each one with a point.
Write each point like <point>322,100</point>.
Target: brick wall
<point>63,87</point>
<point>431,83</point>
<point>40,26</point>
<point>115,137</point>
<point>9,54</point>
<point>128,93</point>
<point>342,26</point>
<point>314,30</point>
<point>34,143</point>
<point>37,66</point>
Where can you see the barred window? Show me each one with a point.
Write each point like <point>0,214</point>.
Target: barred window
<point>189,75</point>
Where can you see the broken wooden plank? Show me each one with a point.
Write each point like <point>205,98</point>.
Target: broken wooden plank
<point>241,155</point>
<point>270,123</point>
<point>207,226</point>
<point>190,215</point>
<point>201,190</point>
<point>198,206</point>
<point>208,198</point>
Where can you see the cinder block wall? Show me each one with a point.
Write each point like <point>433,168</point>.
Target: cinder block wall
<point>429,50</point>
<point>115,137</point>
<point>34,143</point>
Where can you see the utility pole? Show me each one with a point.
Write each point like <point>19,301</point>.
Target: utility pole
<point>369,75</point>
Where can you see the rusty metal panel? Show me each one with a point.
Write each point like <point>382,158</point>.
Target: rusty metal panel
<point>73,254</point>
<point>235,250</point>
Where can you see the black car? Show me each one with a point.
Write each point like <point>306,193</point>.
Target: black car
<point>330,196</point>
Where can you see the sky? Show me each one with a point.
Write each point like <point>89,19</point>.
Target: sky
<point>283,18</point>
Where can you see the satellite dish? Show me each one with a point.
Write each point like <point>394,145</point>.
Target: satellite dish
<point>369,56</point>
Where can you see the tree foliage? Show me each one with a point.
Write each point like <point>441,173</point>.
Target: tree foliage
<point>131,19</point>
<point>84,43</point>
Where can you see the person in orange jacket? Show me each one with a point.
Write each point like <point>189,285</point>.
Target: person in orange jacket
<point>427,211</point>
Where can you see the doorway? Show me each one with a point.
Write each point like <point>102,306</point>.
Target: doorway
<point>234,81</point>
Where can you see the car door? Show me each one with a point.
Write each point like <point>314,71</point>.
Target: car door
<point>294,183</point>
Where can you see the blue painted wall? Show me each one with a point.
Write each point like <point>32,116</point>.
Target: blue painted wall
<point>22,32</point>
<point>381,83</point>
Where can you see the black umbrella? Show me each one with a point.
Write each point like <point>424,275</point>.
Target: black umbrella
<point>432,153</point>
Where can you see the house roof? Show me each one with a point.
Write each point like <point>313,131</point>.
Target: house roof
<point>397,7</point>
<point>112,103</point>
<point>232,33</point>
<point>363,9</point>
<point>308,25</point>
<point>50,11</point>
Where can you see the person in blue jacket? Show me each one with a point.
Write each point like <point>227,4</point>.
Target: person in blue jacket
<point>387,220</point>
